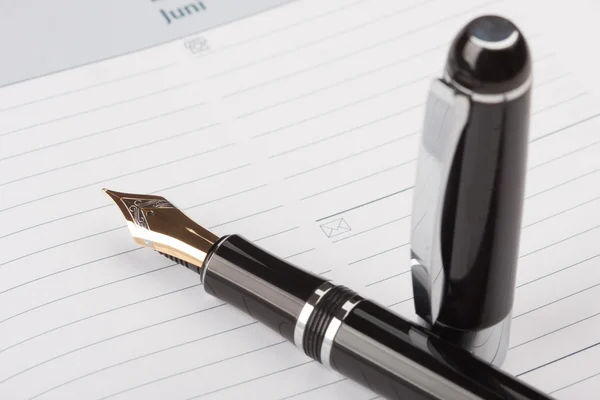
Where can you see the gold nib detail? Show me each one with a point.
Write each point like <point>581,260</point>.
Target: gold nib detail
<point>156,223</point>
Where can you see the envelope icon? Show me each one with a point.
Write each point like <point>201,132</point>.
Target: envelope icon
<point>335,227</point>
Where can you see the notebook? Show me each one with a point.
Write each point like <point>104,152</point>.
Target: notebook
<point>296,127</point>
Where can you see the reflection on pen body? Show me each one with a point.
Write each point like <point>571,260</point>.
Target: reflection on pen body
<point>470,181</point>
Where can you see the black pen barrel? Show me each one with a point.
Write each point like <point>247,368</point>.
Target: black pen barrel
<point>402,360</point>
<point>260,284</point>
<point>356,337</point>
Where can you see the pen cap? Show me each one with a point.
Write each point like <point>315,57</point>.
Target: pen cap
<point>469,192</point>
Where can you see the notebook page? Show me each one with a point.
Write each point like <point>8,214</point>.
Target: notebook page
<point>297,128</point>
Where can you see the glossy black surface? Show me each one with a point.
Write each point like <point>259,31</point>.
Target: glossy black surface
<point>485,59</point>
<point>481,221</point>
<point>417,352</point>
<point>259,283</point>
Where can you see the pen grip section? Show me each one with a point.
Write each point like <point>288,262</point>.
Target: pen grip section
<point>259,283</point>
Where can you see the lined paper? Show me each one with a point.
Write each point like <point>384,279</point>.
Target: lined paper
<point>297,120</point>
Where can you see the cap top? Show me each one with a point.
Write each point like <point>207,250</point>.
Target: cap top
<point>492,29</point>
<point>489,56</point>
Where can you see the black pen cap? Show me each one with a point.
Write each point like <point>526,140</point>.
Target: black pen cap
<point>469,191</point>
<point>489,56</point>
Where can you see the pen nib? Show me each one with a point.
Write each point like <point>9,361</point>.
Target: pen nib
<point>156,223</point>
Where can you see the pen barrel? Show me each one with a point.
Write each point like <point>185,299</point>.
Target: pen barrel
<point>401,360</point>
<point>338,328</point>
<point>258,283</point>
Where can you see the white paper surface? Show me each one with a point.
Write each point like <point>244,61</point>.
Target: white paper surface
<point>297,128</point>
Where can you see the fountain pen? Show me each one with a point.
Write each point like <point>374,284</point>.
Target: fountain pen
<point>332,324</point>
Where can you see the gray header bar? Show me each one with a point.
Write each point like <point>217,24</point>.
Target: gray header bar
<point>42,37</point>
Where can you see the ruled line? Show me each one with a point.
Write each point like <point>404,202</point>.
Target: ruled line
<point>290,26</point>
<point>119,79</point>
<point>108,339</point>
<point>559,103</point>
<point>229,195</point>
<point>387,196</point>
<point>330,86</point>
<point>575,383</point>
<point>203,366</point>
<point>545,57</point>
<point>54,220</point>
<point>362,152</point>
<point>313,389</point>
<point>136,147</point>
<point>323,64</point>
<point>552,79</point>
<point>275,234</point>
<point>251,380</point>
<point>318,41</point>
<point>559,270</point>
<point>400,302</point>
<point>389,277</point>
<point>106,106</point>
<point>558,359</point>
<point>152,118</point>
<point>97,315</point>
<point>372,229</point>
<point>69,269</point>
<point>155,353</point>
<point>581,121</point>
<point>563,183</point>
<point>379,253</point>
<point>236,168</point>
<point>299,253</point>
<point>247,216</point>
<point>556,301</point>
<point>61,244</point>
<point>86,291</point>
<point>344,132</point>
<point>120,176</point>
<point>359,179</point>
<point>554,331</point>
<point>561,212</point>
<point>339,108</point>
<point>565,155</point>
<point>561,241</point>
